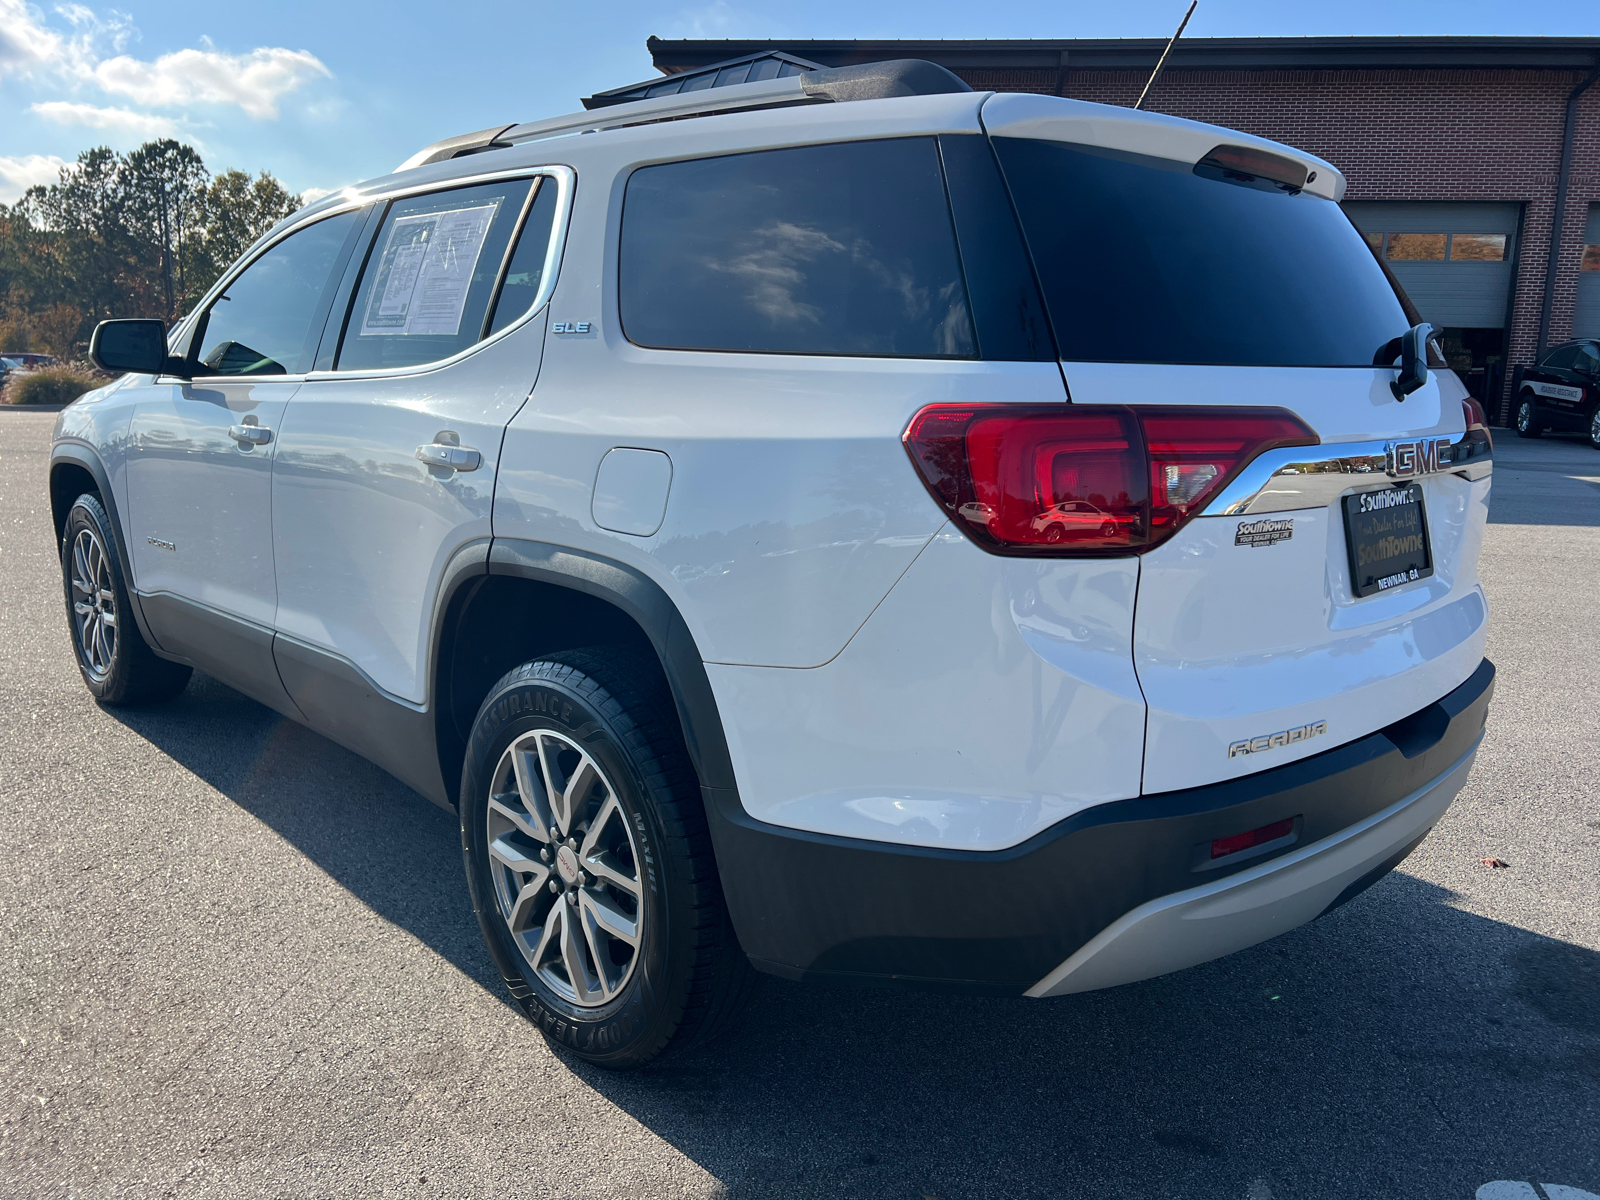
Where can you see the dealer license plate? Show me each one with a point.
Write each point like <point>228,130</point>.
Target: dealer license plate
<point>1387,534</point>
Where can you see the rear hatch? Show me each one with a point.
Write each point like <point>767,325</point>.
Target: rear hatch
<point>1321,591</point>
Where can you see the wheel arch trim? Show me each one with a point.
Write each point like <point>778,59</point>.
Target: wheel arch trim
<point>644,602</point>
<point>85,458</point>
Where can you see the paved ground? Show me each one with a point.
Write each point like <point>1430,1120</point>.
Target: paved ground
<point>240,962</point>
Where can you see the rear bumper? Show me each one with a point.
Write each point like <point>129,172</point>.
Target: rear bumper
<point>1206,922</point>
<point>1118,892</point>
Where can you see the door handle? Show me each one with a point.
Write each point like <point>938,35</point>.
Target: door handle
<point>250,434</point>
<point>449,455</point>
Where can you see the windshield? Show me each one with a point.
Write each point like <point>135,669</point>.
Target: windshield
<point>1148,260</point>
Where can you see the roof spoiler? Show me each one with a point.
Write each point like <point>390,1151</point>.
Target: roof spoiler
<point>719,88</point>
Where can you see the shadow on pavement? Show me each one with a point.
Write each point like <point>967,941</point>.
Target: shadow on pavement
<point>391,848</point>
<point>1400,1047</point>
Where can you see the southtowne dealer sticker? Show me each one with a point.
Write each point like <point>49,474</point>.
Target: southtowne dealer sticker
<point>1265,532</point>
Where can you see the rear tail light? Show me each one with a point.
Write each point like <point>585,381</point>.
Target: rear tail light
<point>1476,418</point>
<point>1071,479</point>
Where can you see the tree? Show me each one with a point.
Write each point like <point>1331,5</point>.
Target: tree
<point>239,210</point>
<point>86,249</point>
<point>55,330</point>
<point>165,189</point>
<point>137,235</point>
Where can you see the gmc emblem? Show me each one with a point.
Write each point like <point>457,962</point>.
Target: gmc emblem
<point>1424,456</point>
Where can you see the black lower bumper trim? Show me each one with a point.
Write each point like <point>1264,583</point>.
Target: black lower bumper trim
<point>809,905</point>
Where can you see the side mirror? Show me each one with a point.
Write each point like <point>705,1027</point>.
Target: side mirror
<point>1413,360</point>
<point>136,346</point>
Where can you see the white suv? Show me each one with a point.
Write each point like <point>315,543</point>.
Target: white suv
<point>842,523</point>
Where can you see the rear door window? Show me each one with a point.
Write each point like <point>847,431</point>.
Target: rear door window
<point>431,274</point>
<point>1148,260</point>
<point>843,249</point>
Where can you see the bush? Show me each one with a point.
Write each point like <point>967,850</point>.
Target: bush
<point>52,385</point>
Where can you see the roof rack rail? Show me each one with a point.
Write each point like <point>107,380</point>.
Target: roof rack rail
<point>752,68</point>
<point>809,85</point>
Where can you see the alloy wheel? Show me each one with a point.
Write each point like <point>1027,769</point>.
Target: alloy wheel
<point>565,868</point>
<point>1594,430</point>
<point>1524,416</point>
<point>94,603</point>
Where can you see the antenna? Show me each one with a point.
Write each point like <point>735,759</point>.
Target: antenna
<point>1162,61</point>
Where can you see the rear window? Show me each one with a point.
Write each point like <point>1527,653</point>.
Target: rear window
<point>842,249</point>
<point>1146,260</point>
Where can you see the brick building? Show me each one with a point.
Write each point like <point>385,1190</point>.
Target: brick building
<point>1455,148</point>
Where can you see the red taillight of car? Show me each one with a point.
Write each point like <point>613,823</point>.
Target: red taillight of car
<point>1477,420</point>
<point>1078,479</point>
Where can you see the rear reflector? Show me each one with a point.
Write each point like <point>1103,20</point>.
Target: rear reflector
<point>1078,479</point>
<point>1223,847</point>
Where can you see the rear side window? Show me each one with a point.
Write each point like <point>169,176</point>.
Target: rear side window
<point>844,249</point>
<point>430,275</point>
<point>525,271</point>
<point>1561,358</point>
<point>1147,260</point>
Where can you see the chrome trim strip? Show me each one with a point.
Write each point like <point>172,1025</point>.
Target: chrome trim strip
<point>566,184</point>
<point>1295,477</point>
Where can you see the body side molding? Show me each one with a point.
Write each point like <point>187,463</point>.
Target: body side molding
<point>344,706</point>
<point>236,651</point>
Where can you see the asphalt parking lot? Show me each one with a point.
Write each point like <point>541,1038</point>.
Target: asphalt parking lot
<point>239,961</point>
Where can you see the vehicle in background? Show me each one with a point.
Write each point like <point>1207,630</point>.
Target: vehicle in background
<point>30,359</point>
<point>1561,392</point>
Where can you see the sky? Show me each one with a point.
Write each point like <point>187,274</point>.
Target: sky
<point>323,93</point>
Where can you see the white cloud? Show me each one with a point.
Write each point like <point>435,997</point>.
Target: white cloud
<point>253,81</point>
<point>118,120</point>
<point>17,175</point>
<point>25,42</point>
<point>309,196</point>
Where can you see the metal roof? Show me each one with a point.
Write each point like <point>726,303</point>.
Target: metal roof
<point>1090,54</point>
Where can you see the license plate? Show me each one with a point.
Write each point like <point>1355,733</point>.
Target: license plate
<point>1387,535</point>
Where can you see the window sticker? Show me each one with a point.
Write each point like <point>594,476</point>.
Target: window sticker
<point>425,272</point>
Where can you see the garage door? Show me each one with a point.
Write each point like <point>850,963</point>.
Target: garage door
<point>1587,321</point>
<point>1454,260</point>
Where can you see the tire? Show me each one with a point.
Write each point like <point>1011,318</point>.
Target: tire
<point>632,853</point>
<point>1594,429</point>
<point>117,664</point>
<point>1528,417</point>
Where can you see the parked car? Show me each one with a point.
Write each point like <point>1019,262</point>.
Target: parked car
<point>1561,392</point>
<point>674,504</point>
<point>32,360</point>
